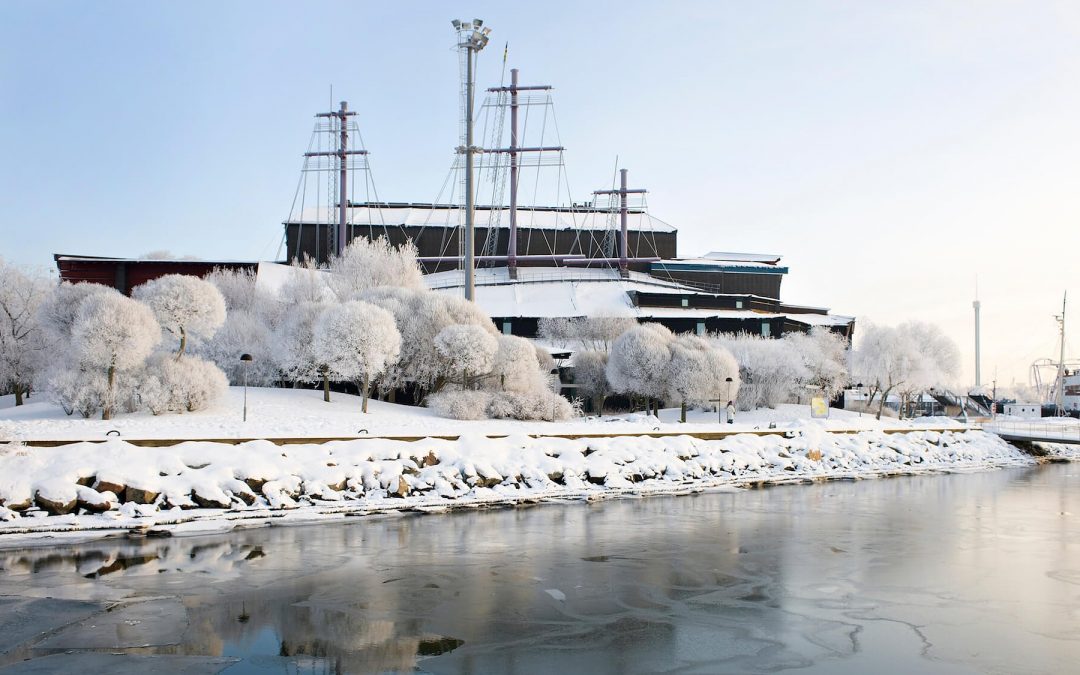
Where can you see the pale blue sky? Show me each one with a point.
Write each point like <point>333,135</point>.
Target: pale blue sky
<point>890,151</point>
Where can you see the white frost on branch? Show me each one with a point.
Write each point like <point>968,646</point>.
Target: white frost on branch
<point>187,307</point>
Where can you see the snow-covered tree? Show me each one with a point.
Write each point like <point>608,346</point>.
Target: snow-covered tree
<point>23,341</point>
<point>771,371</point>
<point>57,313</point>
<point>111,334</point>
<point>357,340</point>
<point>467,349</point>
<point>186,307</point>
<point>243,332</point>
<point>698,372</point>
<point>243,293</point>
<point>825,355</point>
<point>515,367</point>
<point>421,315</point>
<point>596,333</point>
<point>307,283</point>
<point>590,376</point>
<point>294,346</point>
<point>639,361</point>
<point>886,359</point>
<point>367,263</point>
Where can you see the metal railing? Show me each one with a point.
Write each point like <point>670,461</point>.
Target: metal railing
<point>1064,431</point>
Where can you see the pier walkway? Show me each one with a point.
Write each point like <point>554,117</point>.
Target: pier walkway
<point>1037,432</point>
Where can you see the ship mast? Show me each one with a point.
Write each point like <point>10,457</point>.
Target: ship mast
<point>1059,395</point>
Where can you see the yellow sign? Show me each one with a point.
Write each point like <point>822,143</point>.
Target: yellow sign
<point>819,408</point>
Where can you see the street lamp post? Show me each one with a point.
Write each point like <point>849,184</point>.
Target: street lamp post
<point>721,408</point>
<point>472,38</point>
<point>245,363</point>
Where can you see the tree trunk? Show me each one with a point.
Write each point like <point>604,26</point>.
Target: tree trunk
<point>325,385</point>
<point>367,389</point>
<point>881,404</point>
<point>393,396</point>
<point>464,379</point>
<point>106,410</point>
<point>183,343</point>
<point>18,394</point>
<point>682,412</point>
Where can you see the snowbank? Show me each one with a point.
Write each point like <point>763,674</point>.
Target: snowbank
<point>114,485</point>
<point>301,413</point>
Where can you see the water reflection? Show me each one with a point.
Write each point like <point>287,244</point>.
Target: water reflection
<point>930,574</point>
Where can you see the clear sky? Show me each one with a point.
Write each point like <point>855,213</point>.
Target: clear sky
<point>892,152</point>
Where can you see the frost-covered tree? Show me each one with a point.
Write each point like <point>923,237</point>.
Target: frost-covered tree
<point>294,345</point>
<point>243,332</point>
<point>420,316</point>
<point>367,263</point>
<point>698,372</point>
<point>357,340</point>
<point>887,359</point>
<point>111,334</point>
<point>515,367</point>
<point>938,362</point>
<point>57,314</point>
<point>770,371</point>
<point>590,376</point>
<point>467,349</point>
<point>186,307</point>
<point>243,293</point>
<point>23,340</point>
<point>825,355</point>
<point>596,333</point>
<point>307,283</point>
<point>639,361</point>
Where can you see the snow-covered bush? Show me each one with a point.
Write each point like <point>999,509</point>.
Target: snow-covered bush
<point>460,405</point>
<point>825,355</point>
<point>23,340</point>
<point>367,263</point>
<point>77,389</point>
<point>638,363</point>
<point>466,349</point>
<point>185,384</point>
<point>771,371</point>
<point>186,307</point>
<point>111,334</point>
<point>590,376</point>
<point>535,404</point>
<point>698,372</point>
<point>243,333</point>
<point>357,341</point>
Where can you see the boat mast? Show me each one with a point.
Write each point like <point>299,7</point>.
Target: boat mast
<point>342,154</point>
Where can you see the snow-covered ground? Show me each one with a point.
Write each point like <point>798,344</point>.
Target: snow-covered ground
<point>91,489</point>
<point>301,413</point>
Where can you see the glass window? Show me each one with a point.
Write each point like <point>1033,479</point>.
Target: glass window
<point>738,304</point>
<point>506,328</point>
<point>766,329</point>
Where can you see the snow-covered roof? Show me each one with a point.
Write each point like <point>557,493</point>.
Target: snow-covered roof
<point>712,264</point>
<point>566,292</point>
<point>428,215</point>
<point>821,319</point>
<point>768,258</point>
